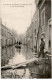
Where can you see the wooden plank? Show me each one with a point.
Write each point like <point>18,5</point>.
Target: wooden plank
<point>35,60</point>
<point>20,64</point>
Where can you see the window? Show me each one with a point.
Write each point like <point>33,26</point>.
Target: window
<point>35,31</point>
<point>5,33</point>
<point>2,32</point>
<point>43,29</point>
<point>43,21</point>
<point>43,17</point>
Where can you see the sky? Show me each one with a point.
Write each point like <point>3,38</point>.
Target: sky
<point>17,17</point>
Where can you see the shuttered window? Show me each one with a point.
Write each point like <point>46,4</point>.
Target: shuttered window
<point>43,17</point>
<point>43,20</point>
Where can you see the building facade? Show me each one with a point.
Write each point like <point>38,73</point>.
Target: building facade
<point>40,27</point>
<point>35,29</point>
<point>29,37</point>
<point>32,31</point>
<point>44,30</point>
<point>7,42</point>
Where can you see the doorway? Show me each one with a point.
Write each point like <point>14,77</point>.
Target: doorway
<point>49,42</point>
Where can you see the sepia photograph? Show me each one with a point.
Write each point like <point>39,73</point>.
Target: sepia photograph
<point>26,39</point>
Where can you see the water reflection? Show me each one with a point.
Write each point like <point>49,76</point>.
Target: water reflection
<point>17,73</point>
<point>31,71</point>
<point>18,58</point>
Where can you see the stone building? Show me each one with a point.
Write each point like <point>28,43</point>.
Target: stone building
<point>29,36</point>
<point>44,30</point>
<point>29,42</point>
<point>7,36</point>
<point>40,26</point>
<point>32,31</point>
<point>7,42</point>
<point>35,27</point>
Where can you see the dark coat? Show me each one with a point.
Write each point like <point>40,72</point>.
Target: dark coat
<point>42,45</point>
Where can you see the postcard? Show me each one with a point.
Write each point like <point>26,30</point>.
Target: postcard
<point>25,39</point>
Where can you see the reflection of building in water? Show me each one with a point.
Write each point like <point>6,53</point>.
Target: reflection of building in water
<point>7,36</point>
<point>7,40</point>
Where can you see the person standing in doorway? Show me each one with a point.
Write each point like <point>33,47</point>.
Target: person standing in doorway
<point>42,46</point>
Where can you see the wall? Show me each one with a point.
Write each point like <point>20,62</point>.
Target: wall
<point>7,42</point>
<point>47,5</point>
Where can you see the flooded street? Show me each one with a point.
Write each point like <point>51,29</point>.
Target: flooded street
<point>32,70</point>
<point>26,39</point>
<point>17,73</point>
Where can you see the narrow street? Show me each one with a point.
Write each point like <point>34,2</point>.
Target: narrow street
<point>32,71</point>
<point>19,57</point>
<point>26,39</point>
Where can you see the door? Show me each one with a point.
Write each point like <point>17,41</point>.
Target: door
<point>49,42</point>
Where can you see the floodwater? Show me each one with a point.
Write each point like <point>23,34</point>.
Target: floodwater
<point>32,71</point>
<point>17,73</point>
